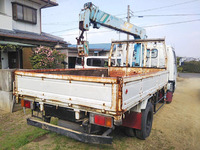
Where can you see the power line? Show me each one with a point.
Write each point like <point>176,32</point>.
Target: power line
<point>172,23</point>
<point>64,30</point>
<point>170,15</point>
<point>156,8</point>
<point>120,15</point>
<point>60,23</point>
<point>90,33</point>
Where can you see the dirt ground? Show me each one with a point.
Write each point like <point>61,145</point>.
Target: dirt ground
<point>175,126</point>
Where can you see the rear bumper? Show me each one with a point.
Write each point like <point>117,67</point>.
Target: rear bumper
<point>83,137</point>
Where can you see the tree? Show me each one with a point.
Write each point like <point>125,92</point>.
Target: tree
<point>46,58</point>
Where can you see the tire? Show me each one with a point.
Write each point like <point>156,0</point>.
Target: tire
<point>130,132</point>
<point>168,102</point>
<point>146,122</point>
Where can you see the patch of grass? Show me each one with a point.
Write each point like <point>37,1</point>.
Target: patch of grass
<point>1,132</point>
<point>14,131</point>
<point>21,138</point>
<point>62,142</point>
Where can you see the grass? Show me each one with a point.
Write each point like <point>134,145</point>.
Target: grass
<point>15,133</point>
<point>21,139</point>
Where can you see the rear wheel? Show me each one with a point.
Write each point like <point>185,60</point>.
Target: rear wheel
<point>146,124</point>
<point>130,132</point>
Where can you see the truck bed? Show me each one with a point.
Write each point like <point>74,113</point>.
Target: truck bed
<point>111,91</point>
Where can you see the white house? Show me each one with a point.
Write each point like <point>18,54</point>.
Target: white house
<point>20,26</point>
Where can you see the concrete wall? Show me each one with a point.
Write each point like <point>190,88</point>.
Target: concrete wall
<point>6,101</point>
<point>6,87</point>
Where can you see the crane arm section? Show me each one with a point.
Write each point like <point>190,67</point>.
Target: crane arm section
<point>92,15</point>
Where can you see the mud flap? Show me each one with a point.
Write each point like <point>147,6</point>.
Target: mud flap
<point>169,96</point>
<point>83,137</point>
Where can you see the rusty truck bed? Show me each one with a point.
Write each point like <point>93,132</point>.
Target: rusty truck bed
<point>102,90</point>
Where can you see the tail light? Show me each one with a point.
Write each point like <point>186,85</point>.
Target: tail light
<point>101,120</point>
<point>26,104</point>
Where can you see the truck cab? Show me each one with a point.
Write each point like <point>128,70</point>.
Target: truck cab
<point>171,67</point>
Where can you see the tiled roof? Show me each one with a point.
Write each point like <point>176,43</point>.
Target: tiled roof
<point>44,37</point>
<point>99,46</point>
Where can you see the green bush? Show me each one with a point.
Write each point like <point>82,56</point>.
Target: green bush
<point>192,66</point>
<point>46,58</point>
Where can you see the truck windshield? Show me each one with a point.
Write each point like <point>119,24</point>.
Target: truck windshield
<point>154,53</point>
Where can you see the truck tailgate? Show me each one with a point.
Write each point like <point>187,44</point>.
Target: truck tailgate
<point>68,90</point>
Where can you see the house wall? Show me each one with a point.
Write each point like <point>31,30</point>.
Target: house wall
<point>26,54</point>
<point>7,21</point>
<point>35,28</point>
<point>4,60</point>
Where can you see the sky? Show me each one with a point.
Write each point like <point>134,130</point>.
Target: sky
<point>182,17</point>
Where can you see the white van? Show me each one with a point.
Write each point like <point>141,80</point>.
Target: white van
<point>96,61</point>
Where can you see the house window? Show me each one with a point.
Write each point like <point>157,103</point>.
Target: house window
<point>2,7</point>
<point>24,13</point>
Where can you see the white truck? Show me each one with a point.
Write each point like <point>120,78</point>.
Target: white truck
<point>89,103</point>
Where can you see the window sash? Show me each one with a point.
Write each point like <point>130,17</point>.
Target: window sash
<point>24,13</point>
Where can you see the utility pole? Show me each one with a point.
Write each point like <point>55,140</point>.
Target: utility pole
<point>128,18</point>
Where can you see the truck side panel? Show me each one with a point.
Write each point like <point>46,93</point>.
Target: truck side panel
<point>141,88</point>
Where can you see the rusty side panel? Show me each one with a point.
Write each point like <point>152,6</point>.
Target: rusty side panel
<point>98,73</point>
<point>120,98</point>
<point>114,97</point>
<point>88,75</point>
<point>130,71</point>
<point>58,70</point>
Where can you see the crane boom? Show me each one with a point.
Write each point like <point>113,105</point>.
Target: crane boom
<point>92,15</point>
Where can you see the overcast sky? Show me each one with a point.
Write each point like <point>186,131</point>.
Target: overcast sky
<point>62,21</point>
